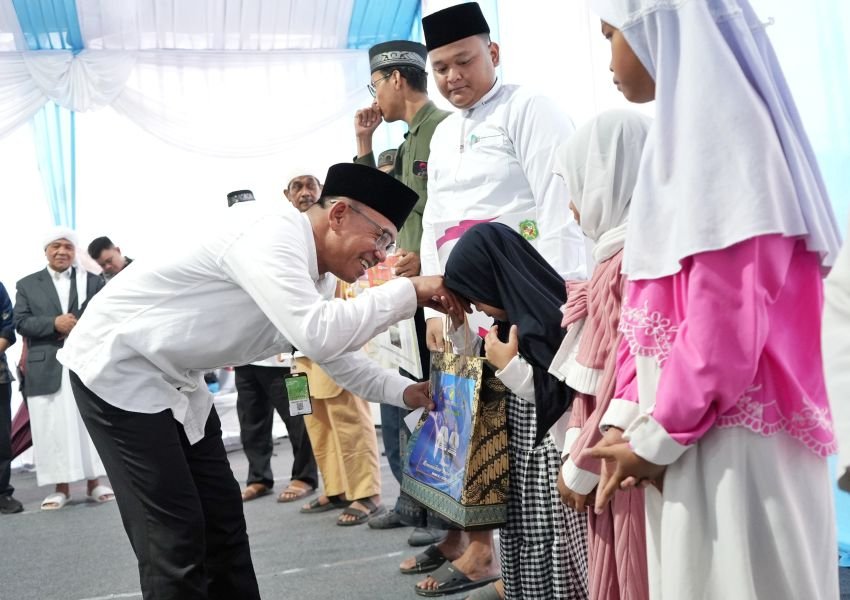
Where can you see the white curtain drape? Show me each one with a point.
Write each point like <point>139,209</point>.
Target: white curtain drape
<point>214,24</point>
<point>242,104</point>
<point>217,77</point>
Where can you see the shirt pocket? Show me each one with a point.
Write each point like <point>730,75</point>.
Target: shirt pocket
<point>486,157</point>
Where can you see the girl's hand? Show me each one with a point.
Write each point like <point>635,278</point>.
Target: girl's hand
<point>577,502</point>
<point>624,469</point>
<point>498,353</point>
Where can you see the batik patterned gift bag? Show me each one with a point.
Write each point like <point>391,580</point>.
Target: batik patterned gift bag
<point>457,458</point>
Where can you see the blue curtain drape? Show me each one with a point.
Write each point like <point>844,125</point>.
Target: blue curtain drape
<point>376,21</point>
<point>54,25</point>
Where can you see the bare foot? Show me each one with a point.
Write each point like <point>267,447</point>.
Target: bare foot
<point>452,547</point>
<point>104,494</point>
<point>360,506</point>
<point>324,499</point>
<point>476,563</point>
<point>254,490</point>
<point>295,490</point>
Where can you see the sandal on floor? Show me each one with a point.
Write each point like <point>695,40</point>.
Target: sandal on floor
<point>451,581</point>
<point>254,491</point>
<point>316,506</point>
<point>361,516</point>
<point>428,560</point>
<point>54,501</point>
<point>297,493</point>
<point>488,592</point>
<point>100,494</point>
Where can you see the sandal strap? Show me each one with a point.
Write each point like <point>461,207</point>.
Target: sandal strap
<point>367,502</point>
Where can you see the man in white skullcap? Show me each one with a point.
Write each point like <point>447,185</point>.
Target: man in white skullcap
<point>47,307</point>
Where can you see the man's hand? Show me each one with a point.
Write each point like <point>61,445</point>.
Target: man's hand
<point>434,339</point>
<point>625,469</point>
<point>64,323</point>
<point>431,292</point>
<point>498,353</point>
<point>366,121</point>
<point>417,396</point>
<point>408,265</point>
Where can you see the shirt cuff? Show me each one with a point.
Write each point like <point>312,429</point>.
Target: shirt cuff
<point>366,159</point>
<point>620,414</point>
<point>578,480</point>
<point>649,440</point>
<point>570,438</point>
<point>430,313</point>
<point>515,376</point>
<point>394,391</point>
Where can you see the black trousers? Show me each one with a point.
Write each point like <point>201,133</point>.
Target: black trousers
<point>5,439</point>
<point>180,504</point>
<point>261,391</point>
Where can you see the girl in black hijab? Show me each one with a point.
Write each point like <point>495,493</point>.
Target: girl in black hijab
<point>543,546</point>
<point>493,265</point>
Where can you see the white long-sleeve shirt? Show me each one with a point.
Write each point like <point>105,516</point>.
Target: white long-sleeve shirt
<point>235,294</point>
<point>496,159</point>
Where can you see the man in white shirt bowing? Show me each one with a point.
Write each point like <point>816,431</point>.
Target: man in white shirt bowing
<point>238,291</point>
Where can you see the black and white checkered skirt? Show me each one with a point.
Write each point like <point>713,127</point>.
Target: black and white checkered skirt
<point>544,544</point>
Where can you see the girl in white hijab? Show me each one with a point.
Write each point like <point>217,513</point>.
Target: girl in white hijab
<point>730,234</point>
<point>600,164</point>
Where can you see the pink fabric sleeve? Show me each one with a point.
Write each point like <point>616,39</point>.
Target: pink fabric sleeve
<point>590,433</point>
<point>715,356</point>
<point>626,384</point>
<point>576,306</point>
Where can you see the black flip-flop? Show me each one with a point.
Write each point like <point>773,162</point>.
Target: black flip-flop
<point>360,516</point>
<point>451,581</point>
<point>426,561</point>
<point>315,506</point>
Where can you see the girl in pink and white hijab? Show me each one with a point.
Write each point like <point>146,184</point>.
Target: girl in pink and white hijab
<point>600,164</point>
<point>730,234</point>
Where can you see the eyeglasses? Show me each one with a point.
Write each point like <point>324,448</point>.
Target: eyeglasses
<point>385,242</point>
<point>372,86</point>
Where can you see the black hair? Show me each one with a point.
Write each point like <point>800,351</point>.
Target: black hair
<point>98,245</point>
<point>417,79</point>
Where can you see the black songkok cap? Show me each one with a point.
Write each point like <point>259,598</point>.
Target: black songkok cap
<point>398,53</point>
<point>239,196</point>
<point>453,23</point>
<point>377,190</point>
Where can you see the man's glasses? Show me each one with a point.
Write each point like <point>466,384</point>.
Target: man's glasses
<point>372,86</point>
<point>385,242</point>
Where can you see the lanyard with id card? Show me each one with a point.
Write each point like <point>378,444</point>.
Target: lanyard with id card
<point>298,392</point>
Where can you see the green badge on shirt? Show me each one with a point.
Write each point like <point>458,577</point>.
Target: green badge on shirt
<point>528,229</point>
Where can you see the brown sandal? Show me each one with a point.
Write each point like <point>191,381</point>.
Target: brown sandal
<point>254,491</point>
<point>295,492</point>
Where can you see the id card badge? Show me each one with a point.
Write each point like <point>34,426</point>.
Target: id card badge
<point>298,392</point>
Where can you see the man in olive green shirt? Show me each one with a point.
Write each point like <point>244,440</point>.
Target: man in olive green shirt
<point>399,86</point>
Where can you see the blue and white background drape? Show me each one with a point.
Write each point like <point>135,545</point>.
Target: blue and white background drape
<point>130,118</point>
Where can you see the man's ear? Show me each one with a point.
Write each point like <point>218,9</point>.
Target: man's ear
<point>494,53</point>
<point>336,215</point>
